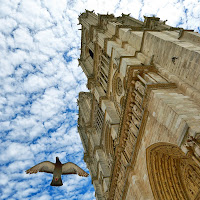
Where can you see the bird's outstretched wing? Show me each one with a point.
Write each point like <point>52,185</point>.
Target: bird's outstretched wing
<point>45,166</point>
<point>71,168</point>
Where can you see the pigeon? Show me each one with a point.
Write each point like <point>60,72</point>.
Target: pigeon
<point>57,169</point>
<point>174,59</point>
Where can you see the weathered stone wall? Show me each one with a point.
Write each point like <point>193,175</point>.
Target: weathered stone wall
<point>170,116</point>
<point>165,47</point>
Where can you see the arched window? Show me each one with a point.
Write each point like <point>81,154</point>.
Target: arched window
<point>172,174</point>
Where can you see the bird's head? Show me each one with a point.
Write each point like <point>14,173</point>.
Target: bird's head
<point>57,160</point>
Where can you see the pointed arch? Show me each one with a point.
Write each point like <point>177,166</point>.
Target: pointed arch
<point>172,174</point>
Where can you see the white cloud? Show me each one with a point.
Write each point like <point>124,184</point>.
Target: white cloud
<point>7,68</point>
<point>23,39</point>
<point>18,56</point>
<point>42,197</point>
<point>35,82</point>
<point>15,151</point>
<point>3,44</point>
<point>4,179</point>
<point>18,166</point>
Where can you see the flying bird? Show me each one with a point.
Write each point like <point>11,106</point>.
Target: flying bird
<point>57,169</point>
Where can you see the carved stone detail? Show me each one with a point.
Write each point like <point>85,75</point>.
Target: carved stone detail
<point>119,86</point>
<point>117,92</point>
<point>116,142</point>
<point>137,111</point>
<point>140,87</point>
<point>192,147</point>
<point>172,175</point>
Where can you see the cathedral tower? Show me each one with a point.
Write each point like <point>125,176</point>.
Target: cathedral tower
<point>140,122</point>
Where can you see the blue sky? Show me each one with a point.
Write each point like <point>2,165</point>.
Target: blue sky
<point>39,85</point>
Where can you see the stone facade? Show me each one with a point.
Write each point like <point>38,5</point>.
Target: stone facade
<point>140,122</point>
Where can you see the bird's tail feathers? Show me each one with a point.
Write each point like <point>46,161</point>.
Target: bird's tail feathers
<point>56,183</point>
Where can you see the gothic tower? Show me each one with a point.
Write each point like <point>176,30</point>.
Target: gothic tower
<point>140,122</point>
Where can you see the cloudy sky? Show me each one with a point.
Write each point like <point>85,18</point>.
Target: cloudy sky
<point>39,85</point>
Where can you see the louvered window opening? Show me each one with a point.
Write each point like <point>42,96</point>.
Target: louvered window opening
<point>99,118</point>
<point>103,72</point>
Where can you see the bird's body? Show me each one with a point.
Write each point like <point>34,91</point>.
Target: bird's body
<point>57,181</point>
<point>57,169</point>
